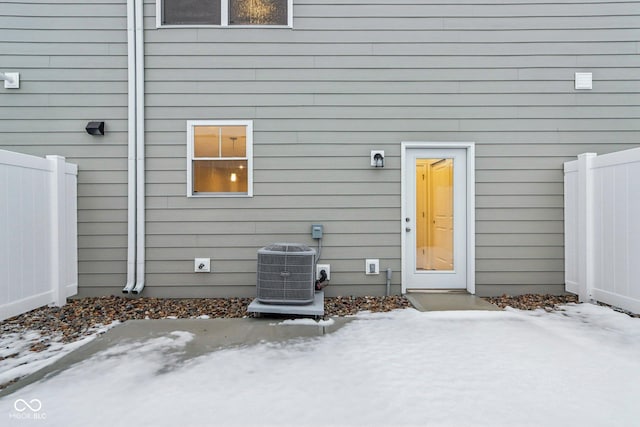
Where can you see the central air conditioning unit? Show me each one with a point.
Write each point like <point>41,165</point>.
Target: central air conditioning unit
<point>286,274</point>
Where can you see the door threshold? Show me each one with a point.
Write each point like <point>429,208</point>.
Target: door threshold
<point>448,301</point>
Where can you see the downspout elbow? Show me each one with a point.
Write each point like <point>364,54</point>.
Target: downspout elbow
<point>138,288</point>
<point>128,287</point>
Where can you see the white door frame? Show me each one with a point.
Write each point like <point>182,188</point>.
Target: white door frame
<point>471,222</point>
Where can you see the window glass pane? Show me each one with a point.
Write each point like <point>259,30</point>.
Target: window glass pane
<point>220,176</point>
<point>234,141</point>
<point>258,12</point>
<point>206,141</point>
<point>434,214</point>
<point>191,12</point>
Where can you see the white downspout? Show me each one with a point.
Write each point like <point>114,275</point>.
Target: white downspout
<point>140,185</point>
<point>131,163</point>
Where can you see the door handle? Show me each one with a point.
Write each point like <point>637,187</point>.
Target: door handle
<point>407,229</point>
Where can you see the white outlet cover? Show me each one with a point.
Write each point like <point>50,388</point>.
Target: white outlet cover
<point>325,267</point>
<point>204,262</point>
<point>14,83</point>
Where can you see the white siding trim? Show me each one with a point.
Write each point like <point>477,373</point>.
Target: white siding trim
<point>224,13</point>
<point>158,13</point>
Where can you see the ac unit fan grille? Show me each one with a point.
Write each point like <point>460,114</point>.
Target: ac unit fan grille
<point>286,276</point>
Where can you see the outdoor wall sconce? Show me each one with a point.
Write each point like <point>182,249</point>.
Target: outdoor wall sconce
<point>377,158</point>
<point>11,80</point>
<point>95,128</point>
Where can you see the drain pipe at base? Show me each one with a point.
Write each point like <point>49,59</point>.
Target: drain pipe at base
<point>389,273</point>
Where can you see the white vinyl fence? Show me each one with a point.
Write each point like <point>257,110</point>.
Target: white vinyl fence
<point>602,228</point>
<point>38,232</point>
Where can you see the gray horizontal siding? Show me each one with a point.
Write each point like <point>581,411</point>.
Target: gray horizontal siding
<point>349,77</point>
<point>169,50</point>
<point>399,35</point>
<point>381,87</point>
<point>275,214</point>
<point>469,23</point>
<point>380,61</point>
<point>463,10</point>
<point>365,138</point>
<point>72,60</point>
<point>397,112</point>
<point>386,100</point>
<point>379,74</point>
<point>357,75</point>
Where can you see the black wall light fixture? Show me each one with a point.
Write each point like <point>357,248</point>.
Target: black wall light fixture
<point>377,158</point>
<point>95,128</point>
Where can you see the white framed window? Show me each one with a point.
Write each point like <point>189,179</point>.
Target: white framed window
<point>224,13</point>
<point>219,158</point>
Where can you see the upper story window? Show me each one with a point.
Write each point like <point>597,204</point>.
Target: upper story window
<point>224,13</point>
<point>219,158</point>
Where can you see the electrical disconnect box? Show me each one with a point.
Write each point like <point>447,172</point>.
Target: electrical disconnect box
<point>316,231</point>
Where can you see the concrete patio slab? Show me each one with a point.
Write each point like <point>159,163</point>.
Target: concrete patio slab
<point>209,335</point>
<point>448,301</point>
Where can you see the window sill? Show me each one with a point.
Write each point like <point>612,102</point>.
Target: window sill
<point>219,195</point>
<point>274,27</point>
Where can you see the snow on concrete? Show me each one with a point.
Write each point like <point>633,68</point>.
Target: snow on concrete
<point>305,321</point>
<point>17,359</point>
<point>577,367</point>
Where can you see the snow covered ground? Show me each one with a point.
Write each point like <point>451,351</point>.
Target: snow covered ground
<point>17,360</point>
<point>578,367</point>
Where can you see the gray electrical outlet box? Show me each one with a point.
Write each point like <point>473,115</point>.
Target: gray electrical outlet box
<point>372,266</point>
<point>316,231</point>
